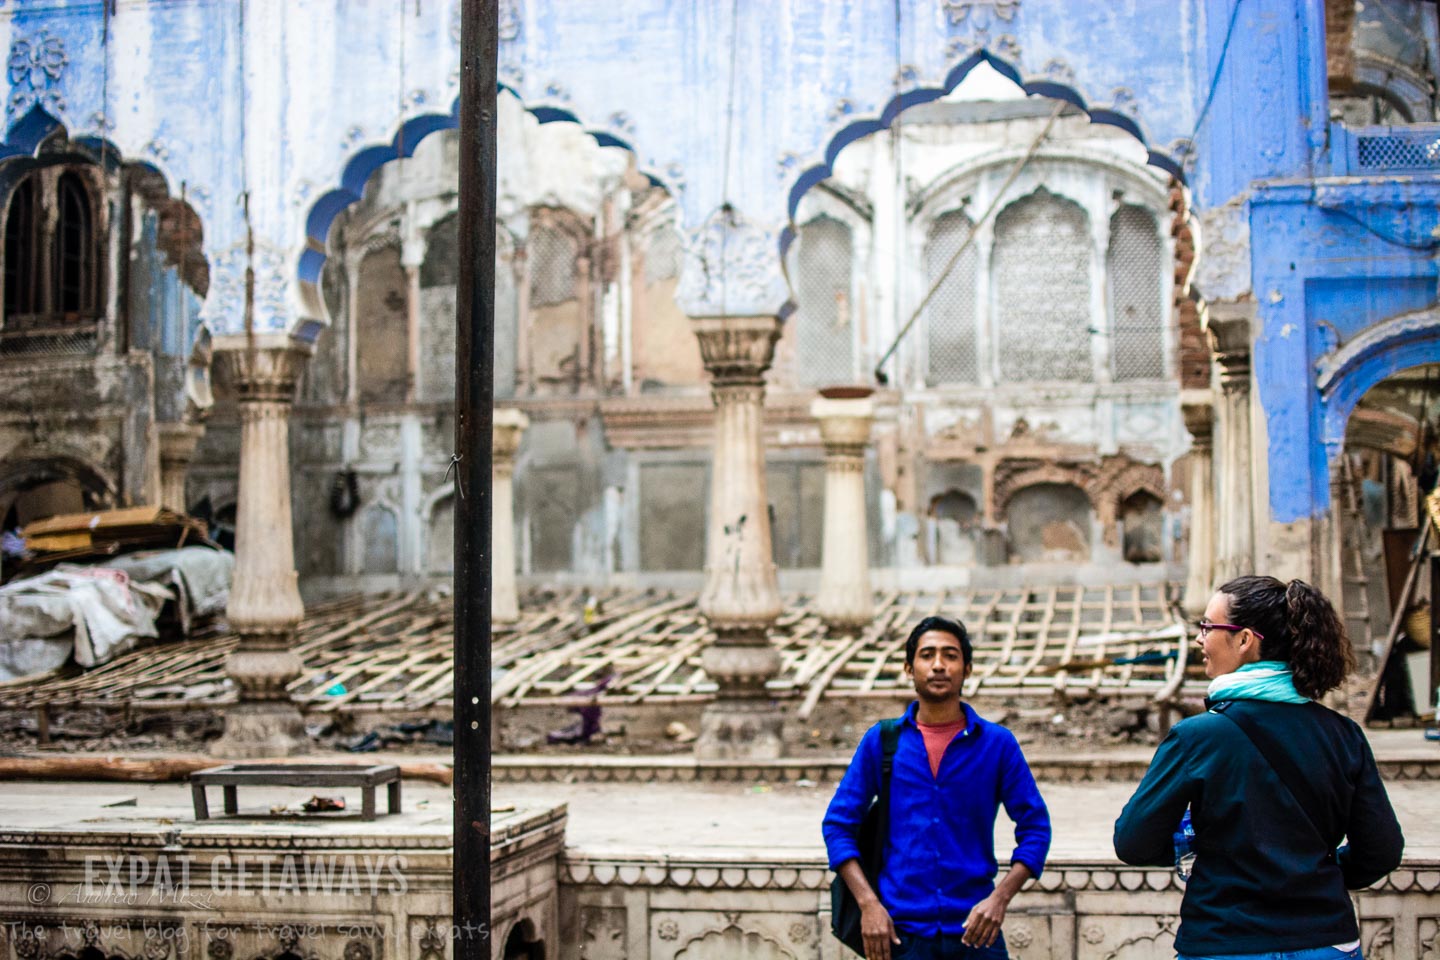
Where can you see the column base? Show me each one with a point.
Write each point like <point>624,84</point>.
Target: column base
<point>256,731</point>
<point>845,618</point>
<point>741,730</point>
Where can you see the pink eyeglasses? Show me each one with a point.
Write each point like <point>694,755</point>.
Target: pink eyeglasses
<point>1206,626</point>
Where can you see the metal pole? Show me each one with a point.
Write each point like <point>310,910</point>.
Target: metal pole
<point>474,381</point>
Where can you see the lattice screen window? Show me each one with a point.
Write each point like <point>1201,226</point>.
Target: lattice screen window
<point>662,257</point>
<point>950,317</point>
<point>824,338</point>
<point>1137,312</point>
<point>1041,278</point>
<point>552,267</point>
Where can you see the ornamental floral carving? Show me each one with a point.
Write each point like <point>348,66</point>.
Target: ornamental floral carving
<point>36,65</point>
<point>980,13</point>
<point>732,268</point>
<point>733,941</point>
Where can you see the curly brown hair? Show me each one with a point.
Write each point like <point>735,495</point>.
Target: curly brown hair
<point>1298,625</point>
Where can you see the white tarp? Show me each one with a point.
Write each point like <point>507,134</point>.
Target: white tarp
<point>94,611</point>
<point>199,577</point>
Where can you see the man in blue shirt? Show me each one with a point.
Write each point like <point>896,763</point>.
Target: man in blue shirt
<point>937,895</point>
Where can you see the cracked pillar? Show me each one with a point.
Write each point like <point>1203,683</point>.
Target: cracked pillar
<point>177,448</point>
<point>265,602</point>
<point>509,425</point>
<point>845,601</point>
<point>741,598</point>
<point>1229,327</point>
<point>1199,413</point>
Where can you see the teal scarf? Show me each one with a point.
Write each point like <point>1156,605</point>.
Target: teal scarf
<point>1263,680</point>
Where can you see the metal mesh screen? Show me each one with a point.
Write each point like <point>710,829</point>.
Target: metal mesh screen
<point>824,340</point>
<point>1041,275</point>
<point>950,316</point>
<point>1418,150</point>
<point>1137,312</point>
<point>552,267</point>
<point>662,257</point>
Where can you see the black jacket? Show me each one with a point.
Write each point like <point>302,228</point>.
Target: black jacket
<point>1264,878</point>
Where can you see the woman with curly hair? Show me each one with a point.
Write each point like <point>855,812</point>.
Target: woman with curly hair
<point>1272,783</point>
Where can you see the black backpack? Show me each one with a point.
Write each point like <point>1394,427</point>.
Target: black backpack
<point>844,910</point>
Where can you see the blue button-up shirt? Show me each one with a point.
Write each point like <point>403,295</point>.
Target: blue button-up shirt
<point>940,851</point>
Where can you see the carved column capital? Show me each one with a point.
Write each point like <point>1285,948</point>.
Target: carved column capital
<point>732,268</point>
<point>737,351</point>
<point>844,425</point>
<point>263,368</point>
<point>508,426</point>
<point>1229,324</point>
<point>1198,409</point>
<point>177,448</point>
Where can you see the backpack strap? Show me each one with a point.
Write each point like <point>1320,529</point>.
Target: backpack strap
<point>889,743</point>
<point>1300,787</point>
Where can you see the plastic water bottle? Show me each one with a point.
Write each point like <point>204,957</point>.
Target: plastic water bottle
<point>1184,848</point>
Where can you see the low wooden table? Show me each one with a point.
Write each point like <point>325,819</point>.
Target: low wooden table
<point>233,775</point>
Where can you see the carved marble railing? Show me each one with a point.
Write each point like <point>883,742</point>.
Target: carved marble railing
<point>658,908</point>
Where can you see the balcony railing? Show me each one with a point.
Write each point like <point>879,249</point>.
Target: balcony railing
<point>1366,151</point>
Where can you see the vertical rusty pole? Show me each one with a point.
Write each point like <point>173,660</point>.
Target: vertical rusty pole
<point>474,380</point>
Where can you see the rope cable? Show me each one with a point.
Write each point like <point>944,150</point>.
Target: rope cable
<point>725,206</point>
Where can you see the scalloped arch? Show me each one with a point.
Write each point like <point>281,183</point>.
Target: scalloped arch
<point>1044,87</point>
<point>369,158</point>
<point>24,137</point>
<point>1345,376</point>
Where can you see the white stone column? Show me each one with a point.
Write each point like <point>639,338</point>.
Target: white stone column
<point>265,602</point>
<point>741,598</point>
<point>845,600</point>
<point>177,448</point>
<point>509,425</point>
<point>1229,327</point>
<point>1199,413</point>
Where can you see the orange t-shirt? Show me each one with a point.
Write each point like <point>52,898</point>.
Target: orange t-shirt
<point>937,738</point>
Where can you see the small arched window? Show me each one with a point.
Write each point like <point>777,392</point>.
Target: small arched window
<point>1041,278</point>
<point>1137,311</point>
<point>74,249</point>
<point>950,316</point>
<point>825,335</point>
<point>21,293</point>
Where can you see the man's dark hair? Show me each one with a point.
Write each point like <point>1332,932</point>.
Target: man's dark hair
<point>955,628</point>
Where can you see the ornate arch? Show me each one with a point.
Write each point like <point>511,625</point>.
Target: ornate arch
<point>1012,476</point>
<point>1118,479</point>
<point>1348,373</point>
<point>1396,82</point>
<point>370,157</point>
<point>1057,81</point>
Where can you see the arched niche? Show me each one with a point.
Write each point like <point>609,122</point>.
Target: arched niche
<point>1050,523</point>
<point>523,942</point>
<point>440,534</point>
<point>34,486</point>
<point>956,516</point>
<point>379,539</point>
<point>666,352</point>
<point>381,326</point>
<point>1142,528</point>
